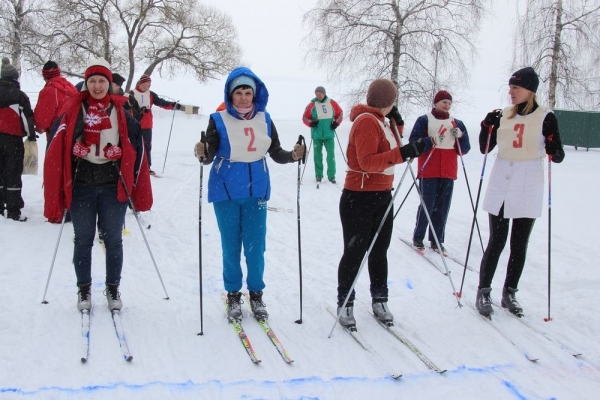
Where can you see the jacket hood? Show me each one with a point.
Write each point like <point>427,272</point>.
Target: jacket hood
<point>261,97</point>
<point>363,108</point>
<point>61,84</point>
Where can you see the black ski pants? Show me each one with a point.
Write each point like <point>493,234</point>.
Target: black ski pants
<point>519,240</point>
<point>11,167</point>
<point>361,214</point>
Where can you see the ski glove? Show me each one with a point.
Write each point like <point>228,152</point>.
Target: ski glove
<point>112,152</point>
<point>298,151</point>
<point>334,125</point>
<point>457,133</point>
<point>80,150</point>
<point>200,150</point>
<point>314,123</point>
<point>395,116</point>
<point>413,149</point>
<point>492,119</point>
<point>552,146</point>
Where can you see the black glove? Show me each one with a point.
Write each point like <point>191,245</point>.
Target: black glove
<point>334,125</point>
<point>492,118</point>
<point>395,116</point>
<point>314,123</point>
<point>33,138</point>
<point>177,106</point>
<point>552,146</point>
<point>413,149</point>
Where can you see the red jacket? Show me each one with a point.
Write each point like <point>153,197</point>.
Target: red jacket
<point>58,165</point>
<point>52,102</point>
<point>369,152</point>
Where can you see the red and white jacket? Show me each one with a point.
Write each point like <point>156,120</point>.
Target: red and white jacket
<point>59,165</point>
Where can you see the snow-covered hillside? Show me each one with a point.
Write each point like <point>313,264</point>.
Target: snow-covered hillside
<point>40,344</point>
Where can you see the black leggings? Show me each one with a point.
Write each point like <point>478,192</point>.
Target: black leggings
<point>519,239</point>
<point>361,214</point>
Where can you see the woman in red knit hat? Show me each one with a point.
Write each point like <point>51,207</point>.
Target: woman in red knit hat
<point>446,138</point>
<point>95,152</point>
<point>373,151</point>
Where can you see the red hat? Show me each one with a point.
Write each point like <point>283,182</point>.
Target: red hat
<point>144,78</point>
<point>98,66</point>
<point>50,70</point>
<point>442,95</point>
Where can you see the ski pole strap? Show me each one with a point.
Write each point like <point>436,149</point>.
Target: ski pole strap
<point>301,141</point>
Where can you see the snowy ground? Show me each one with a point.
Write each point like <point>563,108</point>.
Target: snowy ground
<point>39,344</point>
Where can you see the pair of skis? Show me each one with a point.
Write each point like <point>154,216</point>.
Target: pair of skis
<point>239,329</point>
<point>397,333</point>
<point>120,332</point>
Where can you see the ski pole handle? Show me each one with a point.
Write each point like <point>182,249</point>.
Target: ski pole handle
<point>203,141</point>
<point>301,141</point>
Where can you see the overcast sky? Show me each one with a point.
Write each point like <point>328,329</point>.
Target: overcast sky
<point>270,33</point>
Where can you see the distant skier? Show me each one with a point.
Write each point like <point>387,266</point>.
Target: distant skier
<point>16,121</point>
<point>145,99</point>
<point>438,167</point>
<point>524,133</point>
<point>323,115</point>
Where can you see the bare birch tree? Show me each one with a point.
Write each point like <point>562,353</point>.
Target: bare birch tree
<point>420,45</point>
<point>164,35</point>
<point>561,41</point>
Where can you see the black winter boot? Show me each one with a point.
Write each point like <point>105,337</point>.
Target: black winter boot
<point>510,301</point>
<point>258,307</point>
<point>483,302</point>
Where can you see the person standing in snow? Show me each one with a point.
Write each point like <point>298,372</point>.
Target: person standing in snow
<point>524,133</point>
<point>446,138</point>
<point>52,99</point>
<point>96,148</point>
<point>145,99</point>
<point>237,142</point>
<point>373,151</point>
<point>16,121</point>
<point>323,115</point>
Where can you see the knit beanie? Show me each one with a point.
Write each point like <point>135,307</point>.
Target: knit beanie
<point>382,93</point>
<point>242,80</point>
<point>320,89</point>
<point>118,79</point>
<point>442,95</point>
<point>98,66</point>
<point>144,78</point>
<point>50,70</point>
<point>525,78</point>
<point>7,70</point>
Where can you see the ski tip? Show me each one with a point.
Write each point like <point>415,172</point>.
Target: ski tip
<point>200,334</point>
<point>44,301</point>
<point>298,321</point>
<point>396,376</point>
<point>441,371</point>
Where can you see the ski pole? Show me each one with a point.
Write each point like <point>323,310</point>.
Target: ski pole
<point>549,231</point>
<point>341,149</point>
<point>413,184</point>
<point>170,131</point>
<point>487,149</point>
<point>137,218</point>
<point>469,190</point>
<point>203,140</point>
<point>62,225</point>
<point>304,159</point>
<point>301,141</point>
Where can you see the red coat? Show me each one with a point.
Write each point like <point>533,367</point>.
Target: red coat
<point>58,170</point>
<point>52,102</point>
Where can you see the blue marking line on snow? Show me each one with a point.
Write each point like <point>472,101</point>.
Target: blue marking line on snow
<point>296,383</point>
